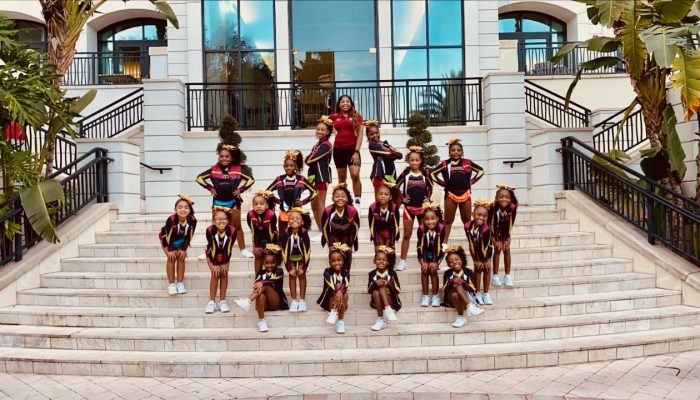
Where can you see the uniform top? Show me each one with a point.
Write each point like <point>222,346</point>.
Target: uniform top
<point>345,131</point>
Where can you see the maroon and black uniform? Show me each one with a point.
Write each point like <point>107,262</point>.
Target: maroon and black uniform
<point>430,243</point>
<point>393,287</point>
<point>262,227</point>
<point>225,179</point>
<point>220,244</point>
<point>319,162</point>
<point>501,220</point>
<point>384,223</point>
<point>296,248</point>
<point>276,280</point>
<point>457,177</point>
<point>479,238</point>
<point>332,284</point>
<point>448,284</point>
<point>176,236</point>
<point>289,189</point>
<point>418,188</point>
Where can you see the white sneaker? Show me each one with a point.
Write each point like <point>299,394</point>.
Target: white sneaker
<point>473,311</point>
<point>211,307</point>
<point>244,304</point>
<point>507,281</point>
<point>445,246</point>
<point>487,299</point>
<point>246,253</point>
<point>379,324</point>
<point>425,301</point>
<point>358,207</point>
<point>224,307</point>
<point>332,317</point>
<point>262,326</point>
<point>201,257</point>
<point>460,321</point>
<point>294,307</point>
<point>340,326</point>
<point>496,281</point>
<point>435,302</point>
<point>172,289</point>
<point>390,314</point>
<point>479,298</point>
<point>181,288</point>
<point>317,238</point>
<point>302,306</point>
<point>401,265</point>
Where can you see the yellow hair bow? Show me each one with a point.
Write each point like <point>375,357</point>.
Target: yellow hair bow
<point>388,184</point>
<point>342,247</point>
<point>450,141</point>
<point>505,186</point>
<point>453,249</point>
<point>326,120</point>
<point>273,248</point>
<point>229,147</point>
<point>431,205</point>
<point>385,249</point>
<point>264,193</point>
<point>340,186</point>
<point>370,122</point>
<point>221,208</point>
<point>291,154</point>
<point>416,149</point>
<point>299,210</point>
<point>186,198</point>
<point>482,202</point>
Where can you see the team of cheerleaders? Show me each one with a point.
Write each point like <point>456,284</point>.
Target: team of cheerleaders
<point>283,239</point>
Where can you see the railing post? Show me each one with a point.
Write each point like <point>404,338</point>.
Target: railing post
<point>18,235</point>
<point>566,163</point>
<point>651,231</point>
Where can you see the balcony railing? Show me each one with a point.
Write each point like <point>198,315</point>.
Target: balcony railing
<point>536,60</point>
<point>454,101</point>
<point>107,69</point>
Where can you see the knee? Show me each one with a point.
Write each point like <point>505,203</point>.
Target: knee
<point>407,234</point>
<point>181,257</point>
<point>223,275</point>
<point>449,219</point>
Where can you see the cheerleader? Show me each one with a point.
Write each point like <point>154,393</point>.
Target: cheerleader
<point>384,287</point>
<point>383,155</point>
<point>296,254</point>
<point>220,238</point>
<point>415,187</point>
<point>175,237</point>
<point>458,288</point>
<point>501,219</point>
<point>268,292</point>
<point>431,235</point>
<point>383,218</point>
<point>291,186</point>
<point>456,175</point>
<point>481,250</point>
<point>340,221</point>
<point>263,224</point>
<point>319,161</point>
<point>336,280</point>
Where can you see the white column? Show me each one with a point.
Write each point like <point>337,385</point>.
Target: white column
<point>178,44</point>
<point>504,115</point>
<point>158,62</point>
<point>385,59</point>
<point>283,56</point>
<point>195,54</point>
<point>164,123</point>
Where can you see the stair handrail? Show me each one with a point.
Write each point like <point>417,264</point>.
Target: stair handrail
<point>129,105</point>
<point>623,134</point>
<point>556,111</point>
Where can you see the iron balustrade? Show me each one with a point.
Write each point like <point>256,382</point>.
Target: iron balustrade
<point>86,181</point>
<point>535,59</point>
<point>113,118</point>
<point>65,150</point>
<point>449,101</point>
<point>113,68</point>
<point>613,133</point>
<point>665,215</point>
<point>550,107</point>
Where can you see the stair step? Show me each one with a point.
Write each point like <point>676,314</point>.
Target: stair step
<point>433,358</point>
<point>324,337</point>
<point>149,317</point>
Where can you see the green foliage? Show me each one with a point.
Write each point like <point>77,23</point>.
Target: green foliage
<point>34,201</point>
<point>228,134</point>
<point>674,147</point>
<point>420,136</point>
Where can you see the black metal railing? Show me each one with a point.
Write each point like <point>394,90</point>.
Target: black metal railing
<point>453,101</point>
<point>114,68</point>
<point>662,213</point>
<point>114,118</point>
<point>551,107</point>
<point>65,149</point>
<point>86,181</point>
<point>612,133</point>
<point>536,60</point>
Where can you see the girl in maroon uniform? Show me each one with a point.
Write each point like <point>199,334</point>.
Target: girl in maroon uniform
<point>481,250</point>
<point>220,238</point>
<point>383,155</point>
<point>291,186</point>
<point>384,287</point>
<point>501,219</point>
<point>458,286</point>
<point>263,224</point>
<point>340,220</point>
<point>296,254</point>
<point>320,169</point>
<point>383,218</point>
<point>175,237</point>
<point>431,236</point>
<point>336,281</point>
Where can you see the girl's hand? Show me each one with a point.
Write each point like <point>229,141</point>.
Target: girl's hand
<point>423,267</point>
<point>297,203</point>
<point>224,268</point>
<point>172,255</point>
<point>506,244</point>
<point>293,273</point>
<point>380,282</point>
<point>214,270</point>
<point>213,192</point>
<point>237,192</point>
<point>406,199</point>
<point>181,255</point>
<point>257,251</point>
<point>433,267</point>
<point>457,281</point>
<point>487,266</point>
<point>257,286</point>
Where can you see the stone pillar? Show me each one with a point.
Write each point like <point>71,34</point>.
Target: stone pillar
<point>164,122</point>
<point>159,62</point>
<point>504,115</point>
<point>123,174</point>
<point>547,172</point>
<point>283,56</point>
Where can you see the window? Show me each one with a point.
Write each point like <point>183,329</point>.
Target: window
<point>539,37</point>
<point>33,34</point>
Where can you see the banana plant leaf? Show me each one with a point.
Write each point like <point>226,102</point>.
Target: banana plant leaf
<point>34,201</point>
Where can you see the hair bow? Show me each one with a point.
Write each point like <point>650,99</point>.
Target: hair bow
<point>388,184</point>
<point>450,141</point>
<point>229,147</point>
<point>264,193</point>
<point>505,186</point>
<point>370,122</point>
<point>326,120</point>
<point>482,202</point>
<point>385,249</point>
<point>221,208</point>
<point>291,154</point>
<point>273,247</point>
<point>431,205</point>
<point>340,186</point>
<point>416,149</point>
<point>341,247</point>
<point>299,210</point>
<point>186,198</point>
<point>453,249</point>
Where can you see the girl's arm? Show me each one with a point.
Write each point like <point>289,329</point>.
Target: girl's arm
<point>323,150</point>
<point>441,253</point>
<point>210,246</point>
<point>274,233</point>
<point>377,150</point>
<point>249,181</point>
<point>370,282</point>
<point>370,222</point>
<point>395,281</point>
<point>284,239</point>
<point>325,227</point>
<point>400,184</point>
<point>202,179</point>
<point>272,187</point>
<point>397,222</point>
<point>355,230</point>
<point>486,242</point>
<point>165,233</point>
<point>312,192</point>
<point>435,173</point>
<point>307,246</point>
<point>419,247</point>
<point>478,173</point>
<point>359,135</point>
<point>512,218</point>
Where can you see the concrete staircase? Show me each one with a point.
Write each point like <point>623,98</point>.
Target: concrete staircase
<point>107,312</point>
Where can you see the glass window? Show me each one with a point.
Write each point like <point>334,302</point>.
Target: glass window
<point>445,63</point>
<point>220,25</point>
<point>257,66</point>
<point>410,64</point>
<point>355,66</point>
<point>445,22</point>
<point>129,33</point>
<point>506,25</point>
<point>33,34</point>
<point>408,21</point>
<point>257,24</point>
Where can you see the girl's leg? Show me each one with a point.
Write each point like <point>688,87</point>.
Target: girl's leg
<point>506,261</point>
<point>459,290</point>
<point>223,285</point>
<point>407,232</point>
<point>317,207</point>
<point>386,301</point>
<point>213,285</point>
<point>282,225</point>
<point>477,280</point>
<point>379,240</point>
<point>465,211</point>
<point>377,300</point>
<point>302,284</point>
<point>271,298</point>
<point>342,174</point>
<point>424,278</point>
<point>342,306</point>
<point>236,221</point>
<point>450,211</point>
<point>293,286</point>
<point>496,260</point>
<point>181,266</point>
<point>487,280</point>
<point>170,270</point>
<point>458,303</point>
<point>260,303</point>
<point>356,184</point>
<point>435,282</point>
<point>258,265</point>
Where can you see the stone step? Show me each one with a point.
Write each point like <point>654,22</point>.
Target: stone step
<point>149,317</point>
<point>318,259</point>
<point>148,246</point>
<point>243,279</point>
<point>357,337</point>
<point>435,358</point>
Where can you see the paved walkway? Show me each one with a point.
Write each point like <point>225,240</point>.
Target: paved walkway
<point>675,376</point>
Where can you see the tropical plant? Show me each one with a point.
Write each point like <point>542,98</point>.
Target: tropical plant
<point>421,136</point>
<point>445,102</point>
<point>228,135</point>
<point>655,39</point>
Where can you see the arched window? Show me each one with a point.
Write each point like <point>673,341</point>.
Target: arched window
<point>539,37</point>
<point>31,33</point>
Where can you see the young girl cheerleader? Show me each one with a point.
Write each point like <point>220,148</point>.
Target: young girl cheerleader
<point>336,280</point>
<point>384,218</point>
<point>296,253</point>
<point>268,292</point>
<point>456,175</point>
<point>290,186</point>
<point>319,162</point>
<point>175,237</point>
<point>458,286</point>
<point>348,140</point>
<point>480,248</point>
<point>340,222</point>
<point>220,237</point>
<point>263,224</point>
<point>431,235</point>
<point>501,219</point>
<point>384,287</point>
<point>415,187</point>
<point>383,156</point>
<point>227,184</point>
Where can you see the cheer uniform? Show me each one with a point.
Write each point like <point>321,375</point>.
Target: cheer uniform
<point>332,284</point>
<point>384,224</point>
<point>263,227</point>
<point>384,157</point>
<point>448,285</point>
<point>319,162</point>
<point>289,190</point>
<point>226,179</point>
<point>479,239</point>
<point>176,236</point>
<point>276,280</point>
<point>392,288</point>
<point>296,249</point>
<point>457,177</point>
<point>220,244</point>
<point>430,243</point>
<point>501,220</point>
<point>418,188</point>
